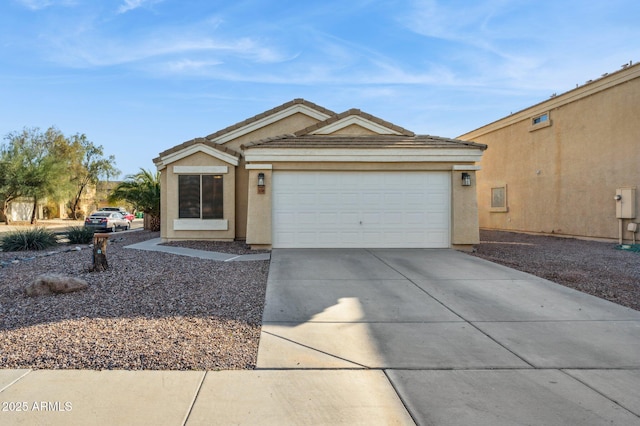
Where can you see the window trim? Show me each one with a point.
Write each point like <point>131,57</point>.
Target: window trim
<point>540,121</point>
<point>505,205</point>
<point>219,210</point>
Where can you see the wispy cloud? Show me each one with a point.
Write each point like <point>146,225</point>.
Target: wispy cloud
<point>42,4</point>
<point>129,5</point>
<point>179,53</point>
<point>35,4</point>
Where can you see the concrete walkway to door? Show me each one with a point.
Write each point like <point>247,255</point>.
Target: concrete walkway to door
<point>438,337</point>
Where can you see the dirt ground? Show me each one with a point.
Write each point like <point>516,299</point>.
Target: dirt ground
<point>594,267</point>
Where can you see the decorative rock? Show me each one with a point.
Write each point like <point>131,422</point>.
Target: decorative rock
<point>53,283</point>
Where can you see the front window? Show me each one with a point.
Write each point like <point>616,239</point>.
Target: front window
<point>200,197</point>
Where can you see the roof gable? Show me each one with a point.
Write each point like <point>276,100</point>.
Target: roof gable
<point>193,146</point>
<point>351,119</point>
<point>296,106</point>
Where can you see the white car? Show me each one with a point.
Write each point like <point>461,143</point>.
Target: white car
<point>107,220</point>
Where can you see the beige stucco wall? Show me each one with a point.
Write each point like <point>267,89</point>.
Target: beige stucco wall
<point>259,212</point>
<point>562,178</point>
<point>164,217</point>
<point>289,124</point>
<point>354,129</point>
<point>169,193</point>
<point>464,211</point>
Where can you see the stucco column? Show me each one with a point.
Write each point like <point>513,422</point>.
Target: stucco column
<point>464,218</point>
<point>259,206</point>
<point>164,221</point>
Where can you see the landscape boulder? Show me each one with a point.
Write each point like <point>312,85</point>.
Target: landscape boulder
<point>54,283</point>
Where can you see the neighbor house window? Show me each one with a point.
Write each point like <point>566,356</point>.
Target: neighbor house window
<point>200,197</point>
<point>540,121</point>
<point>499,199</point>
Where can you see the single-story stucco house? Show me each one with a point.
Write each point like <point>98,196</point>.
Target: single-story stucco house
<point>302,176</point>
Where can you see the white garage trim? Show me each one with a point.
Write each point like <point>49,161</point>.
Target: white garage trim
<point>361,209</point>
<point>338,155</point>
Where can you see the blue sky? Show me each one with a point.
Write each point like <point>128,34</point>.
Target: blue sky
<point>140,76</point>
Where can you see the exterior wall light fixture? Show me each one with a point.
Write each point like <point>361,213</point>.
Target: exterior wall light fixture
<point>260,183</point>
<point>466,179</point>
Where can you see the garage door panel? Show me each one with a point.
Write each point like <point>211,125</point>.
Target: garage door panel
<point>308,218</point>
<point>393,217</point>
<point>348,238</point>
<point>349,199</point>
<point>415,218</point>
<point>349,218</point>
<point>329,199</point>
<point>370,218</point>
<point>361,209</point>
<point>393,198</point>
<point>328,218</point>
<point>284,218</point>
<point>436,220</point>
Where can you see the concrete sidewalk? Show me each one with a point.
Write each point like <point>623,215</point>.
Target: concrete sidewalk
<point>378,337</point>
<point>155,245</point>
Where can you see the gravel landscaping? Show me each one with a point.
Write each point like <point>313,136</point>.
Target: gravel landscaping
<point>153,310</point>
<point>149,310</point>
<point>593,267</point>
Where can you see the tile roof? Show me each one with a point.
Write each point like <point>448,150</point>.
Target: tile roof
<point>373,141</point>
<point>206,140</point>
<point>353,112</point>
<point>305,139</point>
<point>271,112</point>
<point>196,141</point>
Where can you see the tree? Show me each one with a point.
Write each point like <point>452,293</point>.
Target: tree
<point>87,167</point>
<point>47,164</point>
<point>142,190</point>
<point>9,182</point>
<point>31,168</point>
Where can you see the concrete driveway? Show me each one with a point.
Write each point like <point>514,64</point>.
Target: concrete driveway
<point>438,337</point>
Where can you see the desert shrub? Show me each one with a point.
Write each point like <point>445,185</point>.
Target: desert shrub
<point>28,239</point>
<point>80,235</point>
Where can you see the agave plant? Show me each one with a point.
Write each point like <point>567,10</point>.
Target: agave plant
<point>28,239</point>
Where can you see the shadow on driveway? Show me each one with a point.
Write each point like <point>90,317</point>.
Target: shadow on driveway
<point>451,332</point>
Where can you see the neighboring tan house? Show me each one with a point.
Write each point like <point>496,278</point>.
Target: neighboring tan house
<point>300,175</point>
<point>558,166</point>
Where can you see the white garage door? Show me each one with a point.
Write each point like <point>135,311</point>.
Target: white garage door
<point>361,209</point>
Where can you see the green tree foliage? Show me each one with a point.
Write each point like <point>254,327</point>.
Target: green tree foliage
<point>38,164</point>
<point>10,188</point>
<point>35,169</point>
<point>88,165</point>
<point>142,190</point>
